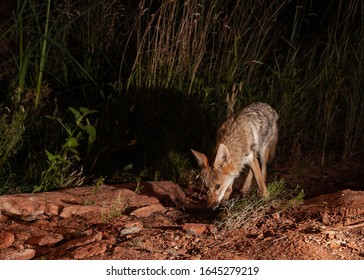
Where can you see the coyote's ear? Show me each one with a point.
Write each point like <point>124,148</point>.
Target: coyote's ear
<point>222,157</point>
<point>202,160</point>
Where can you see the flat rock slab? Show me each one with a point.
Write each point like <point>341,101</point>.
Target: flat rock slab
<point>13,254</point>
<point>164,191</point>
<point>131,228</point>
<point>90,250</point>
<point>46,240</point>
<point>146,211</point>
<point>81,200</point>
<point>342,208</point>
<point>79,222</point>
<point>193,228</point>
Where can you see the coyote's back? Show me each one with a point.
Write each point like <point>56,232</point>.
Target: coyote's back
<point>250,134</point>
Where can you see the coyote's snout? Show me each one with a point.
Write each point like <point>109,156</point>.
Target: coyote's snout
<point>241,139</point>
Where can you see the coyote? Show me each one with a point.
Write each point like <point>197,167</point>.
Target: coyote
<point>241,139</point>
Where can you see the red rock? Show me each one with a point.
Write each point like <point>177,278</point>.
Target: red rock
<point>109,195</point>
<point>46,240</point>
<point>6,239</point>
<point>27,208</point>
<point>52,209</point>
<point>3,218</point>
<point>31,208</point>
<point>353,245</point>
<point>12,254</point>
<point>335,244</point>
<point>192,228</point>
<point>70,210</point>
<point>131,227</point>
<point>163,190</point>
<point>22,236</point>
<point>148,210</point>
<point>8,207</point>
<point>82,241</point>
<point>90,250</point>
<point>143,200</point>
<point>42,224</point>
<point>73,200</point>
<point>78,210</point>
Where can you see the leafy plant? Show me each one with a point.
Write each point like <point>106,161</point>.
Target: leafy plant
<point>62,171</point>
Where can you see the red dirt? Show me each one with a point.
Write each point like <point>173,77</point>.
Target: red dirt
<point>161,222</point>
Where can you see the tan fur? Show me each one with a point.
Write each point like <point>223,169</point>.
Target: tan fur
<point>251,134</point>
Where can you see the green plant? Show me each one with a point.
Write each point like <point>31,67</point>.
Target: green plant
<point>178,166</point>
<point>62,171</point>
<point>44,32</point>
<point>138,188</point>
<point>11,140</point>
<point>183,67</point>
<point>97,184</point>
<point>43,53</point>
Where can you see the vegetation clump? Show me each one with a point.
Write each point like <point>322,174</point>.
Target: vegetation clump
<point>91,87</point>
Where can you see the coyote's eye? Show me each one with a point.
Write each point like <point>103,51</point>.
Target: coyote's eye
<point>217,186</point>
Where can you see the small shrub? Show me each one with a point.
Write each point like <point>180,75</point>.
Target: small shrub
<point>239,212</point>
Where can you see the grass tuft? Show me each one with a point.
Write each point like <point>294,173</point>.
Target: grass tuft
<point>239,212</point>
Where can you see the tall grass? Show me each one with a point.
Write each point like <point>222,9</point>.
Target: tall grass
<point>312,75</point>
<point>322,82</point>
<point>43,51</point>
<point>181,44</point>
<point>163,74</point>
<point>48,40</point>
<point>71,44</point>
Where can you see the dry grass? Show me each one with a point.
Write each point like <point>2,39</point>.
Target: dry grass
<point>240,212</point>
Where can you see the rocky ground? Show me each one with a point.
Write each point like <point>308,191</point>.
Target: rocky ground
<point>160,220</point>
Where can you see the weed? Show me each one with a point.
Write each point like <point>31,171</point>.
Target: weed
<point>138,188</point>
<point>240,212</point>
<point>115,210</point>
<point>88,201</point>
<point>96,187</point>
<point>95,190</point>
<point>62,171</point>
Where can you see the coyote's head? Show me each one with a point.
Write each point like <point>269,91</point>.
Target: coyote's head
<point>217,177</point>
